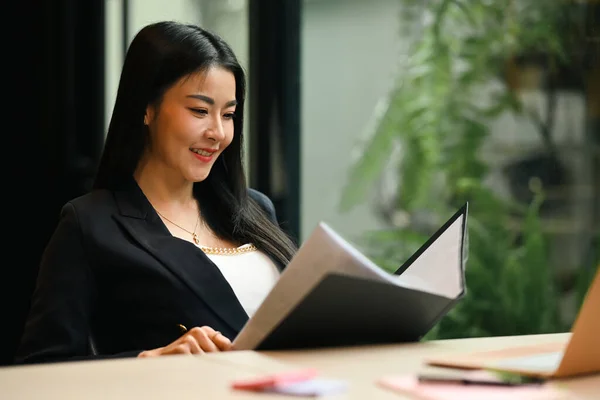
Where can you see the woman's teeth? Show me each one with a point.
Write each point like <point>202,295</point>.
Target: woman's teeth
<point>202,152</point>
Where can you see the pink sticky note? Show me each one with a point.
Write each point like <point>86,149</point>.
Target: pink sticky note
<point>409,385</point>
<point>270,381</point>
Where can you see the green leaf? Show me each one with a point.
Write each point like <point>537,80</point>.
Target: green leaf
<point>466,10</point>
<point>440,14</point>
<point>372,160</point>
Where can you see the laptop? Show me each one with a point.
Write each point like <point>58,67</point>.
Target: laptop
<point>579,356</point>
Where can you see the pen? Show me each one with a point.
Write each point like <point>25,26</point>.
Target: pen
<point>468,381</point>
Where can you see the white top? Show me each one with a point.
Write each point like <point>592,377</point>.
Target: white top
<point>251,275</point>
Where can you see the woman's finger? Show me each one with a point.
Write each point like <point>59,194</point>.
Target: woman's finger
<point>204,337</point>
<point>222,342</point>
<point>192,344</point>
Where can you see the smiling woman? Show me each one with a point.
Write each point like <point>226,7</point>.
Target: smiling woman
<point>170,236</point>
<point>190,127</point>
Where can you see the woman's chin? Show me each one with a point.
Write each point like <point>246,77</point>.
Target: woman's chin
<point>199,176</point>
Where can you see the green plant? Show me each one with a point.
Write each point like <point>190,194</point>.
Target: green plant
<point>439,115</point>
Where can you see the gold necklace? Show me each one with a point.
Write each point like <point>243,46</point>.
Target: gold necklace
<point>223,251</point>
<point>194,236</point>
<point>228,251</point>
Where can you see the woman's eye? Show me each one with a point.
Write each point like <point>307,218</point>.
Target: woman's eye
<point>199,111</point>
<point>229,116</point>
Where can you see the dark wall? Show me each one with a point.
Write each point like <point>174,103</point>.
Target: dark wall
<point>274,104</point>
<point>53,131</point>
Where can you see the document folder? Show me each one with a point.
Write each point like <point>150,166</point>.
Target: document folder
<point>332,295</point>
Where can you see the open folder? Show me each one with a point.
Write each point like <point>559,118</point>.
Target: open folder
<point>330,294</point>
<point>579,356</point>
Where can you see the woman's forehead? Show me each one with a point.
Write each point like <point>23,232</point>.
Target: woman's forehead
<point>211,76</point>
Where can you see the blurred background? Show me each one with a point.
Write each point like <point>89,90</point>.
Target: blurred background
<point>380,118</point>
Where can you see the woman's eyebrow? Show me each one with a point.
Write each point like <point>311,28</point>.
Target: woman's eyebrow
<point>210,100</point>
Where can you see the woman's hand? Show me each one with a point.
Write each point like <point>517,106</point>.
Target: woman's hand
<point>195,341</point>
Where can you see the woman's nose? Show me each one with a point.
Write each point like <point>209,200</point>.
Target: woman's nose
<point>216,131</point>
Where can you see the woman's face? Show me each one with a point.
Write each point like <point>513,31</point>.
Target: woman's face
<point>193,124</point>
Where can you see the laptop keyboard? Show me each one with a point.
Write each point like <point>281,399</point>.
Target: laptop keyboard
<point>545,362</point>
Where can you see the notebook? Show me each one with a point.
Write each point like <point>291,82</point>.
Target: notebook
<point>579,356</point>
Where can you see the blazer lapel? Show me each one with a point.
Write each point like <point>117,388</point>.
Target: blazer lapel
<point>188,263</point>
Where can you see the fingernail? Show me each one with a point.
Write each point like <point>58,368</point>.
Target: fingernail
<point>182,328</point>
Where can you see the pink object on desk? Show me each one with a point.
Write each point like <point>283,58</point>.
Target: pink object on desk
<point>270,381</point>
<point>409,385</point>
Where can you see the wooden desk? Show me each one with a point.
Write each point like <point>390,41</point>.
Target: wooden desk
<point>209,376</point>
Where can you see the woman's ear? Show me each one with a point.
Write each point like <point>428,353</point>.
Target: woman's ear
<point>149,115</point>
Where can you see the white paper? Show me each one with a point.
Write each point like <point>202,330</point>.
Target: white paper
<point>435,270</point>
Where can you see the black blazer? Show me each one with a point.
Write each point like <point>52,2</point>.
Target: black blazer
<point>113,282</point>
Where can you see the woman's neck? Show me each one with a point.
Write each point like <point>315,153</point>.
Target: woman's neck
<point>172,197</point>
<point>163,190</point>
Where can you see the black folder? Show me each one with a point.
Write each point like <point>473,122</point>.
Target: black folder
<point>332,295</point>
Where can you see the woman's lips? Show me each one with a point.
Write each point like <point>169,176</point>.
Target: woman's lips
<point>204,155</point>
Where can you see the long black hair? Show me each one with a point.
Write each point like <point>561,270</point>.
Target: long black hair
<point>159,56</point>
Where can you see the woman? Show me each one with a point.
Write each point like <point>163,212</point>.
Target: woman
<point>170,252</point>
